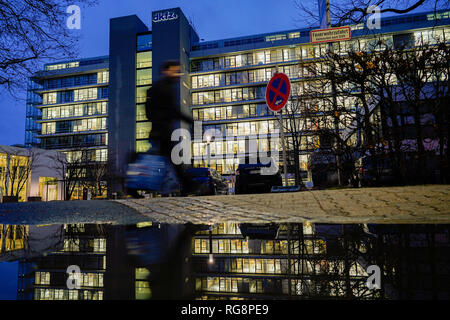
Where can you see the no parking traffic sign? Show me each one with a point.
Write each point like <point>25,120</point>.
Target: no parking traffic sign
<point>277,91</point>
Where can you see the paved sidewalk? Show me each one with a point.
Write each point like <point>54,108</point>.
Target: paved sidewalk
<point>415,204</point>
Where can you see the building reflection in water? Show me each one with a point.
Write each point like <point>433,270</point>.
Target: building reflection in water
<point>229,261</point>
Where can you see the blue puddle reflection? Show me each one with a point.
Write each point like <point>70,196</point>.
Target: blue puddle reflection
<point>224,261</point>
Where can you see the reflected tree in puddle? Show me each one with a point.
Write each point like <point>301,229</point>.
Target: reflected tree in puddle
<point>228,261</point>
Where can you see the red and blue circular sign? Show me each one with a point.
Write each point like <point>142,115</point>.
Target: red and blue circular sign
<point>277,91</point>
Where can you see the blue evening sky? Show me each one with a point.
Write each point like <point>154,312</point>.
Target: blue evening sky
<point>213,19</point>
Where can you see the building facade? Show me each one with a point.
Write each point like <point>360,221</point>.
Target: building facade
<point>67,108</point>
<point>31,173</point>
<point>45,277</point>
<point>223,86</point>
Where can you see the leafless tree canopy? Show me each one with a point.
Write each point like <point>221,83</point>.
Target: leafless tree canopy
<point>33,32</point>
<point>344,12</point>
<point>18,171</point>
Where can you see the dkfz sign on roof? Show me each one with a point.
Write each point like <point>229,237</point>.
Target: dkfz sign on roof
<point>164,16</point>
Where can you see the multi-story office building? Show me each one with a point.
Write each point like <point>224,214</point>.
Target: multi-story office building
<point>45,277</point>
<point>223,86</point>
<point>67,110</point>
<point>113,262</point>
<point>308,261</point>
<point>321,261</point>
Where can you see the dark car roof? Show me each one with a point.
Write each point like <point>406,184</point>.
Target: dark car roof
<point>198,169</point>
<point>201,171</point>
<point>255,165</point>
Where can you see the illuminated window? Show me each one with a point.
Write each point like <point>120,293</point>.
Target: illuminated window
<point>143,291</point>
<point>144,77</point>
<point>100,244</point>
<point>42,278</point>
<point>141,94</point>
<point>144,59</point>
<point>103,77</point>
<point>143,130</point>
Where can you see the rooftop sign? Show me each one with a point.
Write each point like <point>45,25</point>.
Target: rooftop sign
<point>164,16</point>
<point>332,34</point>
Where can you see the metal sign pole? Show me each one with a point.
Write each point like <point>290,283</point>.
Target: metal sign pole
<point>282,89</point>
<point>283,144</point>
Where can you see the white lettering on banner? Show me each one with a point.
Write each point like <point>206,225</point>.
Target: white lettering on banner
<point>164,16</point>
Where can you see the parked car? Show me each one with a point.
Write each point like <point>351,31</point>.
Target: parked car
<point>249,179</point>
<point>206,181</point>
<point>384,168</point>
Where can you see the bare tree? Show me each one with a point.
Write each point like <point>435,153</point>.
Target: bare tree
<point>72,170</point>
<point>18,170</point>
<point>344,12</point>
<point>33,32</point>
<point>97,172</point>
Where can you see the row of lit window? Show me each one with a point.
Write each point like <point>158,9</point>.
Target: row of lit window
<point>84,280</point>
<point>99,155</point>
<point>239,246</point>
<point>233,147</point>
<point>220,150</point>
<point>241,128</point>
<point>431,36</point>
<point>228,95</point>
<point>263,127</point>
<point>74,126</point>
<point>242,77</point>
<point>75,95</point>
<point>231,112</point>
<point>308,51</point>
<point>226,166</point>
<point>76,110</point>
<point>85,94</point>
<point>252,93</point>
<point>300,52</point>
<point>73,245</point>
<point>64,294</point>
<point>245,265</point>
<point>222,284</point>
<point>62,66</point>
<point>246,59</point>
<point>281,266</point>
<point>230,228</point>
